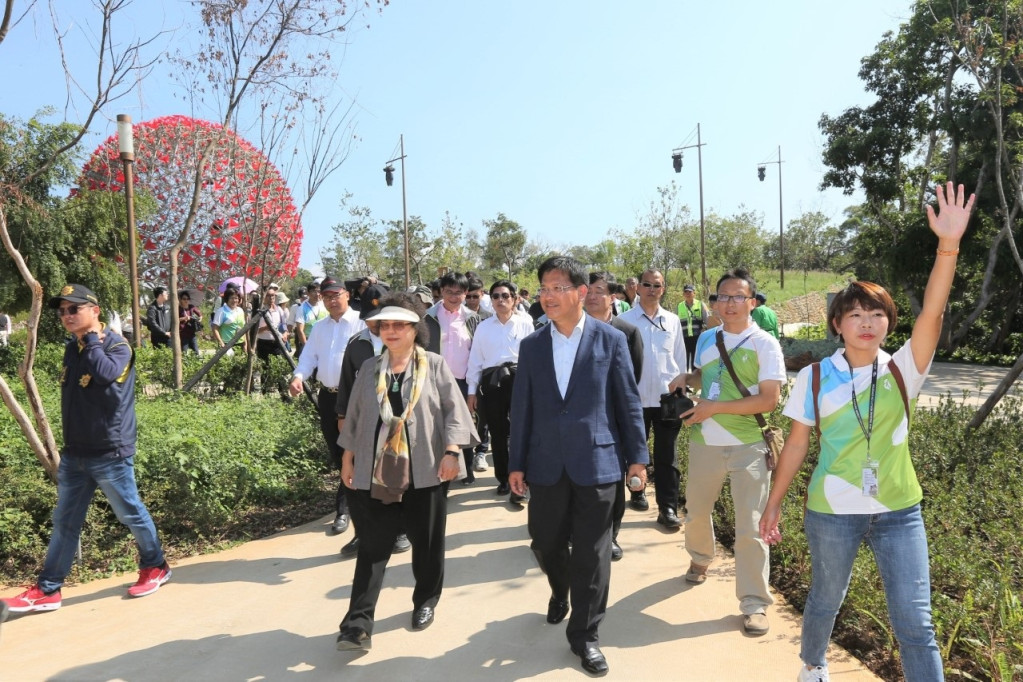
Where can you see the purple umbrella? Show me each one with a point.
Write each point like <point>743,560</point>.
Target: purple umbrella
<point>243,284</point>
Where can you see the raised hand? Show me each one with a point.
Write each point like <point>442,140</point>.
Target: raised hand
<point>949,222</point>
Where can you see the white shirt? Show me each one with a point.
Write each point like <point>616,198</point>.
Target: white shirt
<point>565,349</point>
<point>293,313</point>
<point>325,348</point>
<point>276,316</point>
<point>496,343</point>
<point>664,351</point>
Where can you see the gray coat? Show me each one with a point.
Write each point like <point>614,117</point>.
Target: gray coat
<point>440,418</point>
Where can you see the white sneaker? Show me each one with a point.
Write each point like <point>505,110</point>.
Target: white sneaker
<point>479,462</point>
<point>817,673</point>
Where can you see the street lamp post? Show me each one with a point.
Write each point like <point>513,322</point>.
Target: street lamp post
<point>676,160</point>
<point>126,146</point>
<point>389,177</point>
<point>762,173</point>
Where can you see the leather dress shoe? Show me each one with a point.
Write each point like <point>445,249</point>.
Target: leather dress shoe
<point>639,501</point>
<point>592,659</point>
<point>616,551</point>
<point>422,618</point>
<point>503,488</point>
<point>557,609</point>
<point>401,544</point>
<point>351,549</point>
<point>340,524</point>
<point>668,518</point>
<point>352,639</point>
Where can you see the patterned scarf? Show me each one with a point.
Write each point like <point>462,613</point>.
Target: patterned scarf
<point>391,463</point>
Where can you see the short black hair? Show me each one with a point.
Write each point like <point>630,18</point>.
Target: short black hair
<point>567,265</point>
<point>506,283</point>
<point>606,277</point>
<point>740,274</point>
<point>475,284</point>
<point>454,279</point>
<point>157,291</point>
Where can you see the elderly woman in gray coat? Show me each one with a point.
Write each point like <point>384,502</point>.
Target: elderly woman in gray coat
<point>403,435</point>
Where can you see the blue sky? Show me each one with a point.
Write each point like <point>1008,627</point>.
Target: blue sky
<point>562,115</point>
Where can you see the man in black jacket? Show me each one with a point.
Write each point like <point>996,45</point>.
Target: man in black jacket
<point>158,319</point>
<point>97,396</point>
<point>599,303</point>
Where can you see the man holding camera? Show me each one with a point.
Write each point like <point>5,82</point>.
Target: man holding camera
<point>664,358</point>
<point>726,441</point>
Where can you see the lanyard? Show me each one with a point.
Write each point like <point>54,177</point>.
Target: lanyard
<point>869,428</point>
<point>655,323</point>
<point>721,363</point>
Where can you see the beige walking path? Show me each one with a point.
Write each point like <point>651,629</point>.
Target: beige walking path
<point>269,610</point>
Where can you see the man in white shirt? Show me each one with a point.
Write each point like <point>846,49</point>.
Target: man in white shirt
<point>493,360</point>
<point>664,358</point>
<point>323,353</point>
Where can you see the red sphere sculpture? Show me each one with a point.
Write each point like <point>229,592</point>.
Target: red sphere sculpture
<point>246,224</point>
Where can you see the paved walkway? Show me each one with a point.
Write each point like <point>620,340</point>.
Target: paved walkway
<point>269,610</point>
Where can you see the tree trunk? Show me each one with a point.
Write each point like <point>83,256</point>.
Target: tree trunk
<point>1003,387</point>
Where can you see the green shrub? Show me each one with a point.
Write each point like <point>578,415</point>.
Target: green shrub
<point>208,470</point>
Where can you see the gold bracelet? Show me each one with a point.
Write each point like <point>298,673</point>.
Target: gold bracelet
<point>942,252</point>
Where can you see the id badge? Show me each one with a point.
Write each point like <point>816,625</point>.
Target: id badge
<point>714,392</point>
<point>869,484</point>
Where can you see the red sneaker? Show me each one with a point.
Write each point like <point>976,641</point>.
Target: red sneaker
<point>33,599</point>
<point>150,580</point>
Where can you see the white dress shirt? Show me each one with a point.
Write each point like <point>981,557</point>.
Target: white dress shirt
<point>496,343</point>
<point>325,348</point>
<point>664,351</point>
<point>565,349</point>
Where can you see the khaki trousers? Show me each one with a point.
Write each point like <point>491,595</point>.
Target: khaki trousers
<point>749,480</point>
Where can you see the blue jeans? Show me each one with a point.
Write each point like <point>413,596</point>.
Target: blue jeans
<point>77,479</point>
<point>899,543</point>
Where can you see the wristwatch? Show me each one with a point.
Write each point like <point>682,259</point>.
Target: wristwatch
<point>453,453</point>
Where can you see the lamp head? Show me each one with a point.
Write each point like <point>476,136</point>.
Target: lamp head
<point>761,172</point>
<point>676,161</point>
<point>389,174</point>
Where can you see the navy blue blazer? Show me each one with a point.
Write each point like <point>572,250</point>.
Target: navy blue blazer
<point>595,430</point>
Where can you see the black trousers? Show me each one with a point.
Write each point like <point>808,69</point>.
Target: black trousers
<point>581,513</point>
<point>423,512</point>
<point>496,405</point>
<point>666,472</point>
<point>690,342</point>
<point>326,405</point>
<point>469,452</point>
<point>267,347</point>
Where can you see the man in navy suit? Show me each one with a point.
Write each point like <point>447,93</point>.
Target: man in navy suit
<point>577,417</point>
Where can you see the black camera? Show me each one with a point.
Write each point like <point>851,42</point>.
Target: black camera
<point>673,404</point>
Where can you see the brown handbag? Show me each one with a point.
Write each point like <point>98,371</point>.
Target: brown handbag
<point>773,436</point>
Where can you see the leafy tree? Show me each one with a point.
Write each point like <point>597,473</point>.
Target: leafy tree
<point>734,241</point>
<point>505,244</point>
<point>813,243</point>
<point>357,247</point>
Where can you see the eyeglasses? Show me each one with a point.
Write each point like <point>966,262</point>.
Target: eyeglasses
<point>332,296</point>
<point>723,298</point>
<point>652,285</point>
<point>501,297</point>
<point>387,325</point>
<point>72,309</point>
<point>472,297</point>
<point>554,291</point>
<point>453,292</point>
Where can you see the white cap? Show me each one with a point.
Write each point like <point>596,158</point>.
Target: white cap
<point>396,313</point>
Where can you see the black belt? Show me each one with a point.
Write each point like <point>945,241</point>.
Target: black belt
<point>329,389</point>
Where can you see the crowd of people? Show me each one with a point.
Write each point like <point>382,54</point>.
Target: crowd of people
<point>571,389</point>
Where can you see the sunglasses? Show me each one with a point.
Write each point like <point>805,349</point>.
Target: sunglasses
<point>500,297</point>
<point>472,297</point>
<point>651,285</point>
<point>72,309</point>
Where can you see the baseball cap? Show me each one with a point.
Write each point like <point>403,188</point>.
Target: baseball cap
<point>761,297</point>
<point>273,285</point>
<point>74,293</point>
<point>689,287</point>
<point>328,283</point>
